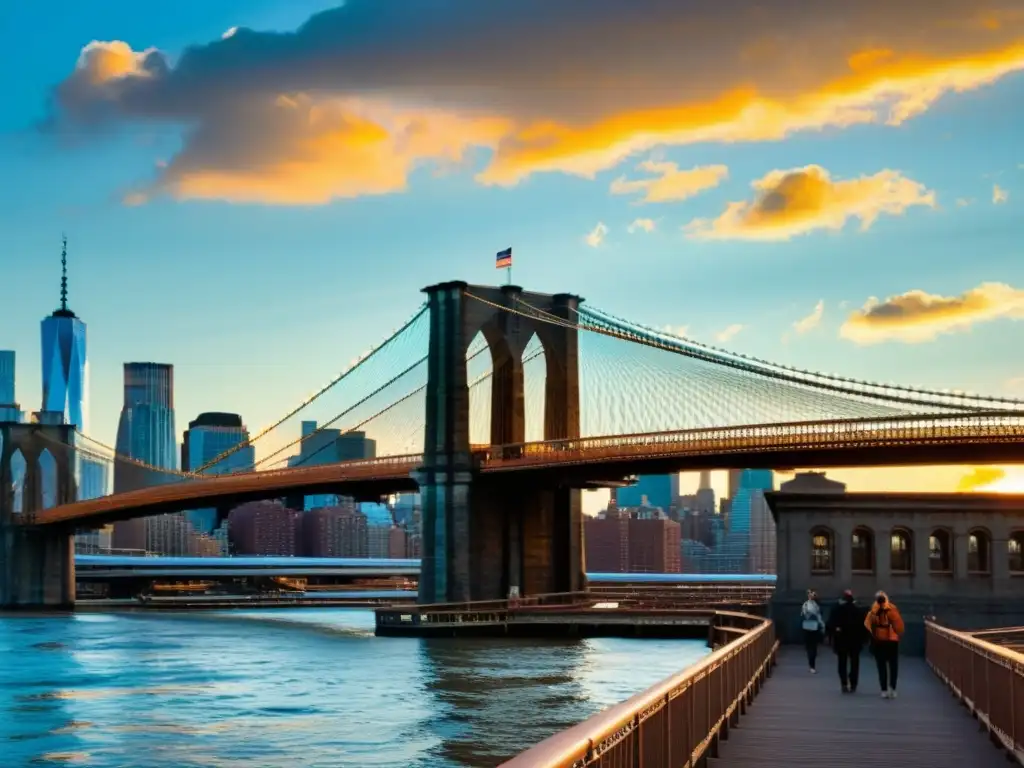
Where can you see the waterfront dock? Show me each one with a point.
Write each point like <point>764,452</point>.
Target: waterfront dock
<point>582,614</point>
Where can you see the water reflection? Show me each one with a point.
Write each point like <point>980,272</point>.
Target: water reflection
<point>491,697</point>
<point>285,688</point>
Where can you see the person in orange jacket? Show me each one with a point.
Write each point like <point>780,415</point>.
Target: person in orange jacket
<point>885,626</point>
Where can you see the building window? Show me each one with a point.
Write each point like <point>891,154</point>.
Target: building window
<point>940,552</point>
<point>1015,549</point>
<point>862,551</point>
<point>821,551</point>
<point>901,552</point>
<point>978,548</point>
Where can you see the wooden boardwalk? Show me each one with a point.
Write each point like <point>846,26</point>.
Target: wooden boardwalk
<point>800,720</point>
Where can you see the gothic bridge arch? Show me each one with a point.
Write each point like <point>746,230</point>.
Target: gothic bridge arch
<point>32,440</point>
<point>37,566</point>
<point>481,539</point>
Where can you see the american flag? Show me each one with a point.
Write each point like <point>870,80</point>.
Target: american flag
<point>504,259</point>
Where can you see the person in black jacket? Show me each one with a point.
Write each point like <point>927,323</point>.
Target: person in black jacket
<point>845,627</point>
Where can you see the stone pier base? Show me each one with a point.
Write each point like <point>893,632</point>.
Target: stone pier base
<point>37,569</point>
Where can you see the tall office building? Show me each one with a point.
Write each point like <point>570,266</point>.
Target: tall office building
<point>146,433</point>
<point>735,477</point>
<point>328,446</point>
<point>65,398</point>
<point>63,344</point>
<point>751,483</point>
<point>9,408</point>
<point>659,490</point>
<point>749,545</point>
<point>207,437</point>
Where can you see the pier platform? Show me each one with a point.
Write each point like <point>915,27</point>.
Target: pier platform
<point>570,615</point>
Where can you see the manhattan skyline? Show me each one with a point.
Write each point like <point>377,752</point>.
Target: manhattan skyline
<point>259,183</point>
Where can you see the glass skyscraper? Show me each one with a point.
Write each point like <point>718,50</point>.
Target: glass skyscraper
<point>206,438</point>
<point>660,490</point>
<point>63,345</point>
<point>65,393</point>
<point>752,484</point>
<point>9,408</point>
<point>329,446</point>
<point>145,432</point>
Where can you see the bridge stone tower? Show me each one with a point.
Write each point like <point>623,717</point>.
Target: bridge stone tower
<point>37,565</point>
<point>483,535</point>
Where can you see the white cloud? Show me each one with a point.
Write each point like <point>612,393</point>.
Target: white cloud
<point>1015,386</point>
<point>729,332</point>
<point>641,225</point>
<point>597,235</point>
<point>811,321</point>
<point>677,330</point>
<point>962,202</point>
<point>999,195</point>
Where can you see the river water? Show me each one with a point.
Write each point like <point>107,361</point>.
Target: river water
<point>296,688</point>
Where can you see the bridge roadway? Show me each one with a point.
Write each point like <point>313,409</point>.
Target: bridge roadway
<point>984,437</point>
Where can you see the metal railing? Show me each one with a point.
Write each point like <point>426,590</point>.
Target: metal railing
<point>678,721</point>
<point>988,678</point>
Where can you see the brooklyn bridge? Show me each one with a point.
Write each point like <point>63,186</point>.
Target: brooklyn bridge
<point>605,398</point>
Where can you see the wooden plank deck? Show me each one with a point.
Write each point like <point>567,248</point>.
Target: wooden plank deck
<point>800,720</point>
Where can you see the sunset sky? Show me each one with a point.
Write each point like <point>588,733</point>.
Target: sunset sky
<point>256,190</point>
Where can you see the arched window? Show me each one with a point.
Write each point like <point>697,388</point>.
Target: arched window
<point>979,547</point>
<point>901,551</point>
<point>822,550</point>
<point>940,551</point>
<point>862,550</point>
<point>1015,549</point>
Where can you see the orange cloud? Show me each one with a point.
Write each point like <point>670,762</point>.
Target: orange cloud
<point>670,184</point>
<point>916,316</point>
<point>325,151</point>
<point>979,477</point>
<point>562,105</point>
<point>795,202</point>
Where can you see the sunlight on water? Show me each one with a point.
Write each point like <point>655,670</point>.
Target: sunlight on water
<point>310,688</point>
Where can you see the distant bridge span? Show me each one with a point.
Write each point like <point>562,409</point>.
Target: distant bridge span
<point>983,437</point>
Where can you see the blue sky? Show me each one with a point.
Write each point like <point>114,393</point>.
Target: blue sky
<point>259,285</point>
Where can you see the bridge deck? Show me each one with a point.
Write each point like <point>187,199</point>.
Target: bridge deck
<point>800,719</point>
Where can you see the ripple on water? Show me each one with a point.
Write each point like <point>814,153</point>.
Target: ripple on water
<point>296,687</point>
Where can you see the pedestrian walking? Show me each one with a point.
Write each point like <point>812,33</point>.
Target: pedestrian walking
<point>845,627</point>
<point>813,626</point>
<point>885,625</point>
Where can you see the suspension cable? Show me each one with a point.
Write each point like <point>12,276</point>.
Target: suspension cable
<point>712,355</point>
<point>313,398</point>
<point>725,357</point>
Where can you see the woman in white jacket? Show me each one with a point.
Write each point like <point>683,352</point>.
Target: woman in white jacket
<point>813,626</point>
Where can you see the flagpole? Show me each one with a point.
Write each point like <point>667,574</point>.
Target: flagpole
<point>508,274</point>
